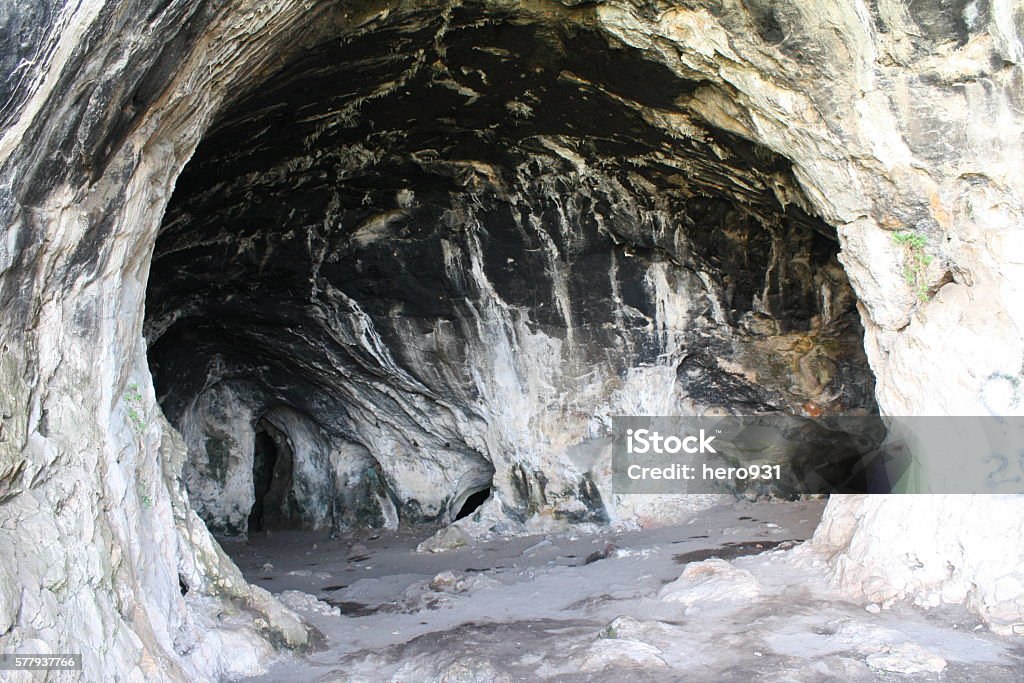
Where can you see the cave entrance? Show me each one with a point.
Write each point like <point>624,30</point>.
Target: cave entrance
<point>473,503</point>
<point>272,468</point>
<point>458,245</point>
<point>264,461</point>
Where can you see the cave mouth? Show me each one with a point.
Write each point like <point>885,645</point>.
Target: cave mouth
<point>264,460</point>
<point>473,503</point>
<point>272,477</point>
<point>455,245</point>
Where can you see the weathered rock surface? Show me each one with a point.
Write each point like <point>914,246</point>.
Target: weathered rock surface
<point>620,653</point>
<point>907,658</point>
<point>711,581</point>
<point>443,243</point>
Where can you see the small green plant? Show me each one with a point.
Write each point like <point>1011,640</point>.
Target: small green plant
<point>147,500</point>
<point>916,263</point>
<point>133,399</point>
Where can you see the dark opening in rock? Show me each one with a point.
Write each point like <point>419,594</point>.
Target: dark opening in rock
<point>264,462</point>
<point>473,503</point>
<point>454,247</point>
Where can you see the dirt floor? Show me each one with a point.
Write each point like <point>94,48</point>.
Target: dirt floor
<point>731,595</point>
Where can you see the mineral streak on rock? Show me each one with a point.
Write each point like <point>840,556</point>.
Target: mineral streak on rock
<point>423,246</point>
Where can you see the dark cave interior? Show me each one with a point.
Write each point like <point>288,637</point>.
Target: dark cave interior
<point>473,503</point>
<point>360,236</point>
<point>272,467</point>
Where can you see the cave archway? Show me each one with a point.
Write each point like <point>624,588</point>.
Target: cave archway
<point>473,503</point>
<point>460,242</point>
<point>265,455</point>
<point>273,465</point>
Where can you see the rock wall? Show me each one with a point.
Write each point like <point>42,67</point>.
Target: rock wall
<point>100,552</point>
<point>889,117</point>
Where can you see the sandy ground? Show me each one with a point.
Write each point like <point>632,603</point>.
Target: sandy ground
<point>651,605</point>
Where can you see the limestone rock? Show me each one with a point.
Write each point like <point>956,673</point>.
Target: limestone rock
<point>446,539</point>
<point>711,581</point>
<point>664,636</point>
<point>906,658</point>
<point>304,602</point>
<point>620,653</point>
<point>473,670</point>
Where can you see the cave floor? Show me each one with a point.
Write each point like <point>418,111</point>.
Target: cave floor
<point>533,608</point>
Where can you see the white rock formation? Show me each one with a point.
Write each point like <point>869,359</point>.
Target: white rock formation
<point>620,652</point>
<point>906,659</point>
<point>711,581</point>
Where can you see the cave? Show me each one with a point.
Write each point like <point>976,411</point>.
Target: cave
<point>473,503</point>
<point>319,318</point>
<point>387,209</point>
<point>264,463</point>
<point>272,467</point>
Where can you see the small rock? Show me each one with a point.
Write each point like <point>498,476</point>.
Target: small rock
<point>873,608</point>
<point>304,602</point>
<point>712,580</point>
<point>608,549</point>
<point>620,652</point>
<point>662,635</point>
<point>472,669</point>
<point>443,581</point>
<point>906,658</point>
<point>446,539</point>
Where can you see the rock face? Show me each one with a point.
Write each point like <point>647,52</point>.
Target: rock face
<point>421,250</point>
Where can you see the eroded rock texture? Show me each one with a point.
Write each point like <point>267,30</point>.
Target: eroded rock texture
<point>663,178</point>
